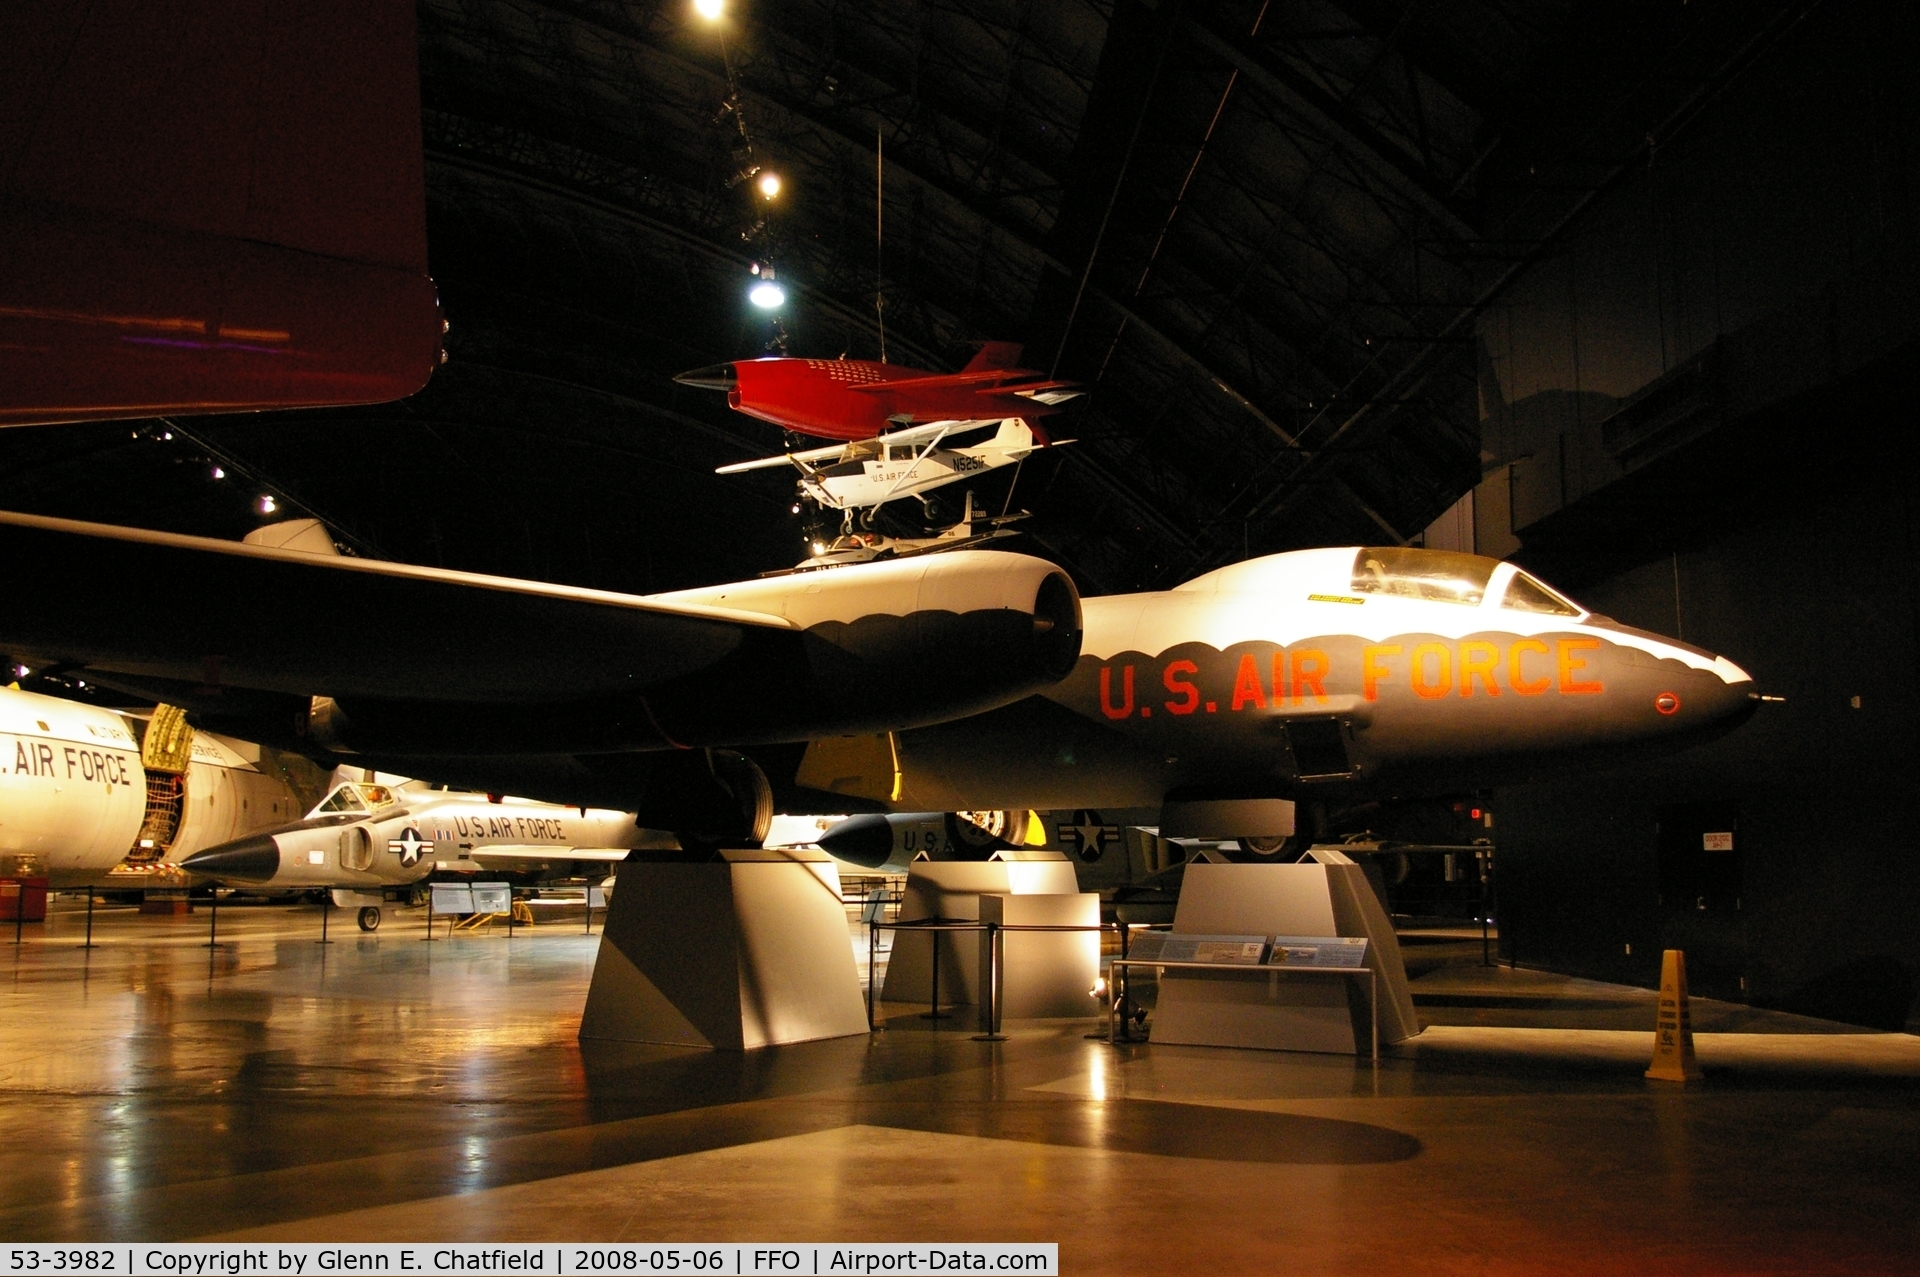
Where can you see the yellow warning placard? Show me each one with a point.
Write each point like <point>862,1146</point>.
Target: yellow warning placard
<point>1673,1059</point>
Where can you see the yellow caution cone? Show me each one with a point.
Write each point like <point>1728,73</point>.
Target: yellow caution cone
<point>1673,1059</point>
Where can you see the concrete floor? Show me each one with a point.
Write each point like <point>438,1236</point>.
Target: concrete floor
<point>387,1088</point>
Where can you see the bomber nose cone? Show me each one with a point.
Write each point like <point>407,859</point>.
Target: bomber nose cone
<point>718,377</point>
<point>253,859</point>
<point>865,840</point>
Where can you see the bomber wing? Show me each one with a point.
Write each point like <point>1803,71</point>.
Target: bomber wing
<point>221,613</point>
<point>404,661</point>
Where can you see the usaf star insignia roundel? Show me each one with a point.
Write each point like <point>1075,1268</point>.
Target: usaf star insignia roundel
<point>409,846</point>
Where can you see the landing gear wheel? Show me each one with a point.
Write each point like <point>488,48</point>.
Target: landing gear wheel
<point>982,832</point>
<point>1287,849</point>
<point>746,798</point>
<point>370,918</point>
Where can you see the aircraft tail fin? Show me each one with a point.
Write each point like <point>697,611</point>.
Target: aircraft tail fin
<point>994,356</point>
<point>1033,428</point>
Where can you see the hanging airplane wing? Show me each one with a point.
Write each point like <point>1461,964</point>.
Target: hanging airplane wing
<point>784,459</point>
<point>402,660</point>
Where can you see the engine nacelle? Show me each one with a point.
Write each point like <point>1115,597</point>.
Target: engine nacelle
<point>873,647</point>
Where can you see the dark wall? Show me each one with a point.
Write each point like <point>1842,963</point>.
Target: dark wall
<point>1817,908</point>
<point>1700,420</point>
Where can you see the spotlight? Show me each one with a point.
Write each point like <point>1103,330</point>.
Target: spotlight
<point>796,508</point>
<point>219,473</point>
<point>768,295</point>
<point>167,435</point>
<point>710,9</point>
<point>267,504</point>
<point>819,549</point>
<point>769,184</point>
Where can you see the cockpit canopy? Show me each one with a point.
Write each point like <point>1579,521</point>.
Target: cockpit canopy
<point>1448,576</point>
<point>356,797</point>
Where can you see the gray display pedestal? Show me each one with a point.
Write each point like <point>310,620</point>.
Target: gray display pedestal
<point>745,951</point>
<point>951,889</point>
<point>1044,974</point>
<point>1234,1008</point>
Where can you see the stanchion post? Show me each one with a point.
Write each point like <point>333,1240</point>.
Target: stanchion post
<point>873,950</point>
<point>429,913</point>
<point>19,908</point>
<point>1373,1005</point>
<point>213,924</point>
<point>89,941</point>
<point>985,1017</point>
<point>326,907</point>
<point>932,930</point>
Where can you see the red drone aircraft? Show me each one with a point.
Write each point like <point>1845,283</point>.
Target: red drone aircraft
<point>857,398</point>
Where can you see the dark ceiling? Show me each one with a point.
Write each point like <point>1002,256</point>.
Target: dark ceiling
<point>1259,232</point>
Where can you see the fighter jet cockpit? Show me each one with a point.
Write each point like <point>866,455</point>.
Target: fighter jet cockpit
<point>1450,576</point>
<point>355,798</point>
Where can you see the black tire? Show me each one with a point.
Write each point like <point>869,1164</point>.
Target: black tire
<point>751,791</point>
<point>369,918</point>
<point>1275,850</point>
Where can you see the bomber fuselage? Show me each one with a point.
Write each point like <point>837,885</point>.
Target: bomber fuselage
<point>1342,672</point>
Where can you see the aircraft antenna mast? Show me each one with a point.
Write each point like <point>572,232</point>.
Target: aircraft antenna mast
<point>880,234</point>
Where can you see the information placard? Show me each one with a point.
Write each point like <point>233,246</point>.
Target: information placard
<point>492,897</point>
<point>1226,951</point>
<point>1146,946</point>
<point>1318,951</point>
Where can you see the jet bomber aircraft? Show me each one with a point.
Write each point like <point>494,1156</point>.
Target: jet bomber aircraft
<point>1320,677</point>
<point>955,681</point>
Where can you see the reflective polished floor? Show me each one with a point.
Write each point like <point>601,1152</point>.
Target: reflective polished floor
<point>386,1087</point>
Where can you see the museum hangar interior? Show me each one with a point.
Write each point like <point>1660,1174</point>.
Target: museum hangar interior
<point>1621,294</point>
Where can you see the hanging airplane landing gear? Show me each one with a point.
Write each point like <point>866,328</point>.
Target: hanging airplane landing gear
<point>370,918</point>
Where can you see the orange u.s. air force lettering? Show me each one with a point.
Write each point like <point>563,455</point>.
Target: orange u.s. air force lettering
<point>1471,667</point>
<point>1430,670</point>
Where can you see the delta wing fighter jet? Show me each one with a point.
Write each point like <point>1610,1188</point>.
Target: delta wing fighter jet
<point>857,398</point>
<point>366,836</point>
<point>1321,678</point>
<point>868,473</point>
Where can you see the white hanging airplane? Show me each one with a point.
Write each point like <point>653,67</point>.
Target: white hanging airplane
<point>910,462</point>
